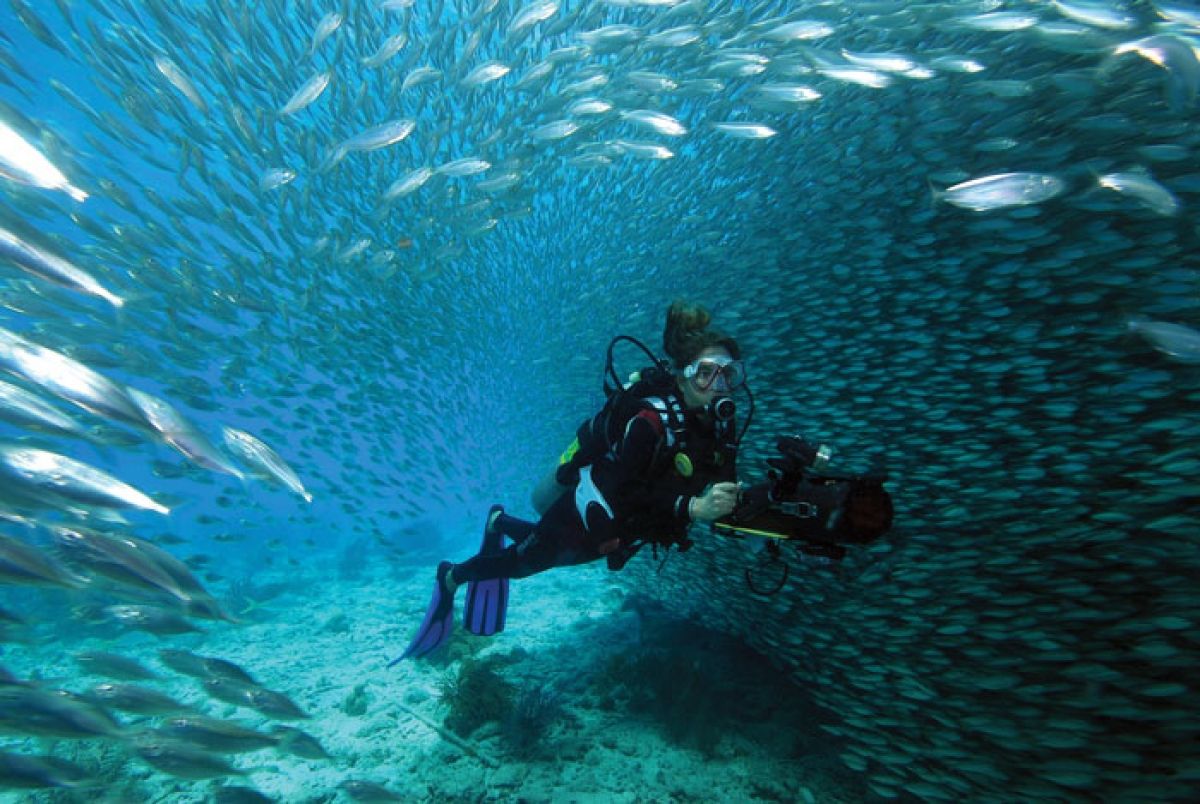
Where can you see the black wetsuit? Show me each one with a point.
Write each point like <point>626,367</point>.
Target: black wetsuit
<point>635,493</point>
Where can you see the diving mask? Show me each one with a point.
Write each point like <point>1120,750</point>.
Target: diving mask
<point>708,371</point>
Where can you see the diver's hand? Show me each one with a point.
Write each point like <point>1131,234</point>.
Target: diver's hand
<point>718,500</point>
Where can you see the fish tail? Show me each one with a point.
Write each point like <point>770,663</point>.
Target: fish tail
<point>935,194</point>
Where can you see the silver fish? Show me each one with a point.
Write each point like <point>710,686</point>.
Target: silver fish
<point>174,429</point>
<point>485,74</point>
<point>589,106</point>
<point>114,665</point>
<point>21,563</point>
<point>644,150</point>
<point>499,183</point>
<point>124,560</point>
<point>136,699</point>
<point>881,62</point>
<point>390,47</point>
<point>745,131</point>
<point>26,409</point>
<point>1142,187</point>
<point>325,29</point>
<point>175,76</point>
<point>557,130</point>
<point>856,75</point>
<point>957,64</point>
<point>21,162</point>
<point>60,481</point>
<point>1178,58</point>
<point>182,760</point>
<point>1174,340</point>
<point>534,75</point>
<point>799,31</point>
<point>680,36</point>
<point>531,15</point>
<point>151,619</point>
<point>788,94</point>
<point>307,93</point>
<point>42,713</point>
<point>646,80</point>
<point>610,37</point>
<point>1100,15</point>
<point>67,379</point>
<point>265,460</point>
<point>421,75</point>
<point>467,166</point>
<point>997,21</point>
<point>1003,190</point>
<point>655,121</point>
<point>380,136</point>
<point>275,178</point>
<point>224,736</point>
<point>406,184</point>
<point>51,267</point>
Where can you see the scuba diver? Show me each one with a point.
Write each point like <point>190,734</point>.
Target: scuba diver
<point>659,457</point>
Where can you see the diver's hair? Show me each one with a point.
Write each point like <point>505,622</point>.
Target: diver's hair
<point>686,334</point>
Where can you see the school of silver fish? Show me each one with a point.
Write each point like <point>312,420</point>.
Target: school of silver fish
<point>957,237</point>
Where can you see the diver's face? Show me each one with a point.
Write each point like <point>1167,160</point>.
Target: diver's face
<point>695,394</point>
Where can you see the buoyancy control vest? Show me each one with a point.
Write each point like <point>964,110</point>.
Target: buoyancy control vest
<point>686,458</point>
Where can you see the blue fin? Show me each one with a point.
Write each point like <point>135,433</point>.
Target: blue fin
<point>487,601</point>
<point>438,623</point>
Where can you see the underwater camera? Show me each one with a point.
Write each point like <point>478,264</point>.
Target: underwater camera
<point>803,503</point>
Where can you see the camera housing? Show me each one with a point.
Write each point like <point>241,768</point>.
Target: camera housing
<point>822,510</point>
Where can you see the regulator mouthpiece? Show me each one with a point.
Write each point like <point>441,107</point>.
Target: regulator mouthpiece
<point>722,408</point>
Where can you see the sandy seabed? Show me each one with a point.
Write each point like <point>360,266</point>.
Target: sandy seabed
<point>327,649</point>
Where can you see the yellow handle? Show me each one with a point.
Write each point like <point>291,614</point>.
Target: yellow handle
<point>570,451</point>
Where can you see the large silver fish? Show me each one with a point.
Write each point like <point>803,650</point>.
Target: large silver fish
<point>408,183</point>
<point>57,481</point>
<point>263,460</point>
<point>176,77</point>
<point>182,760</point>
<point>43,713</point>
<point>1003,190</point>
<point>1177,341</point>
<point>68,379</point>
<point>1142,187</point>
<point>173,428</point>
<point>379,136</point>
<point>308,92</point>
<point>152,619</point>
<point>223,736</point>
<point>21,162</point>
<point>325,29</point>
<point>388,48</point>
<point>114,665</point>
<point>26,409</point>
<point>21,563</point>
<point>51,267</point>
<point>136,699</point>
<point>137,564</point>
